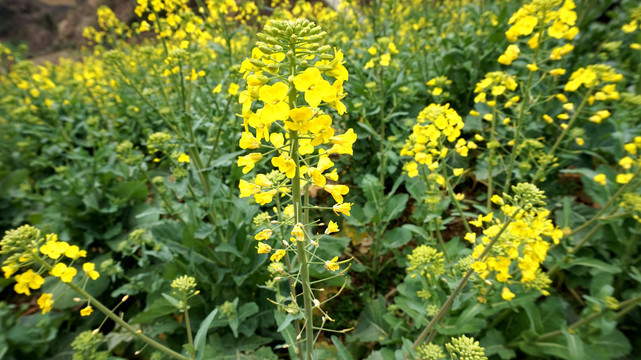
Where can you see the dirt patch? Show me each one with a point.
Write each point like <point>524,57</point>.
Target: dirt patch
<point>49,26</point>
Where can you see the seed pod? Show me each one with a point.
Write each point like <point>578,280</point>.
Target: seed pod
<point>326,57</point>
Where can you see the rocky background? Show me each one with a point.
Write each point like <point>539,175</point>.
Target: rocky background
<point>52,27</point>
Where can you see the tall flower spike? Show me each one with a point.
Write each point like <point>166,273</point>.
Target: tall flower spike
<point>286,110</point>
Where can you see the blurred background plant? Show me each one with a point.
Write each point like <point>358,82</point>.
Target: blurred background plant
<point>129,149</point>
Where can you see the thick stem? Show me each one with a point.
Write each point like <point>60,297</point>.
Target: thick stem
<point>298,218</point>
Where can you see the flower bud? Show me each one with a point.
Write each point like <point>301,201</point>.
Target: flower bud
<point>257,63</point>
<point>324,49</point>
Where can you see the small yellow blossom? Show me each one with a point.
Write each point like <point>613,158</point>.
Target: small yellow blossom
<point>86,311</point>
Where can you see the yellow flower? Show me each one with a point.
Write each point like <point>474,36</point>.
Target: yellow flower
<point>45,302</point>
<point>52,248</point>
<point>300,119</point>
<point>624,178</point>
<point>274,97</point>
<point>248,141</point>
<point>507,295</point>
<point>28,280</point>
<point>10,270</point>
<point>471,237</point>
<point>249,161</point>
<point>263,248</point>
<point>344,208</point>
<point>556,72</point>
<point>316,88</point>
<point>626,162</point>
<point>233,89</point>
<point>332,265</point>
<point>86,311</point>
<point>263,235</point>
<point>298,232</point>
<point>65,273</point>
<point>497,200</point>
<point>183,158</point>
<point>342,144</point>
<point>630,148</point>
<point>385,59</point>
<point>285,165</point>
<point>337,192</point>
<point>580,141</point>
<point>457,171</point>
<point>532,67</point>
<point>332,227</point>
<point>90,269</point>
<point>74,252</point>
<point>278,255</point>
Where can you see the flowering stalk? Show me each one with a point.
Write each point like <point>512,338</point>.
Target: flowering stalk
<point>25,244</point>
<point>295,134</point>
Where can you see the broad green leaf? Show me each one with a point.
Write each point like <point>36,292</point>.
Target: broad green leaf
<point>597,265</point>
<point>343,353</point>
<point>201,335</point>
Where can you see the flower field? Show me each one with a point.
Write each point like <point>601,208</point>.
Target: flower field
<point>386,179</point>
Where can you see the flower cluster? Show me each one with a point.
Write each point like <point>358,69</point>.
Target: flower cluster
<point>559,21</point>
<point>627,163</point>
<point>284,118</point>
<point>427,261</point>
<point>497,84</point>
<point>436,125</point>
<point>26,249</point>
<point>519,251</point>
<point>437,86</point>
<point>600,78</point>
<point>465,348</point>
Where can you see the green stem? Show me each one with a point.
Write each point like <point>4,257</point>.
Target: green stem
<point>105,310</point>
<point>446,306</point>
<point>298,218</point>
<point>550,155</point>
<point>490,161</point>
<point>437,225</point>
<point>607,204</point>
<point>627,306</point>
<point>188,325</point>
<point>457,204</point>
<point>524,107</point>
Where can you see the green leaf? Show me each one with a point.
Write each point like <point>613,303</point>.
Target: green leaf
<point>371,188</point>
<point>371,325</point>
<point>494,343</point>
<point>596,264</point>
<point>396,238</point>
<point>343,354</point>
<point>614,345</point>
<point>395,206</point>
<point>172,300</point>
<point>158,308</point>
<point>201,335</point>
<point>575,345</point>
